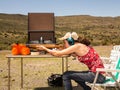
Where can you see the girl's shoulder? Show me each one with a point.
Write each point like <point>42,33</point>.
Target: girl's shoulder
<point>80,45</point>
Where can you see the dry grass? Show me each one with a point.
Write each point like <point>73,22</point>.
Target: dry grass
<point>36,71</point>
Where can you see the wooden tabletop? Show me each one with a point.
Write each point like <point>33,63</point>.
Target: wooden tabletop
<point>34,56</point>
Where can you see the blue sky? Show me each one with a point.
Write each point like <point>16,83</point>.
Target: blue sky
<point>62,7</point>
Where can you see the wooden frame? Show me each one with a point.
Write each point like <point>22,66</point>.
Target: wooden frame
<point>41,25</point>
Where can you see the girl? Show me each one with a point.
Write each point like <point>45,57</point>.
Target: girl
<point>85,54</point>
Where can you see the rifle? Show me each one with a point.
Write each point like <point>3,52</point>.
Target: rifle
<point>50,46</point>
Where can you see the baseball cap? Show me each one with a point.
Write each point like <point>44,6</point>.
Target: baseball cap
<point>74,35</point>
<point>68,34</point>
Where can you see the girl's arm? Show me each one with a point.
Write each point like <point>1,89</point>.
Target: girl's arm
<point>40,47</point>
<point>67,51</point>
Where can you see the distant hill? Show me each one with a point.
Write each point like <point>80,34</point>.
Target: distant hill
<point>100,30</point>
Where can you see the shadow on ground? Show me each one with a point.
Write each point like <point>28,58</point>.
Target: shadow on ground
<point>57,88</point>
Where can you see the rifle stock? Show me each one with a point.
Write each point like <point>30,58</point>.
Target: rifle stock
<point>50,46</point>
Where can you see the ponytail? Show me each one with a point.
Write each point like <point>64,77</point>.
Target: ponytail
<point>83,41</point>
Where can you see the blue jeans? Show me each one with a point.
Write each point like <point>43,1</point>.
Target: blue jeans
<point>80,77</point>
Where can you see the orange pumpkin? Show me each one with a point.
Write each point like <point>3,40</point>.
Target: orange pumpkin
<point>14,45</point>
<point>18,49</point>
<point>15,51</point>
<point>20,46</point>
<point>25,51</point>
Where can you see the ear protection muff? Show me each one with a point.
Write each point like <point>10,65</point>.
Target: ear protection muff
<point>70,41</point>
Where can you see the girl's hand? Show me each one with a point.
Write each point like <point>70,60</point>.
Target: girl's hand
<point>40,47</point>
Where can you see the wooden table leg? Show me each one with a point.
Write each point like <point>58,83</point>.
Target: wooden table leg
<point>8,73</point>
<point>66,63</point>
<point>62,65</point>
<point>21,72</point>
